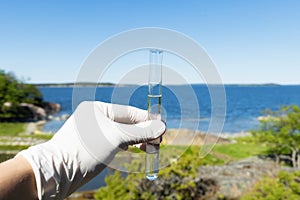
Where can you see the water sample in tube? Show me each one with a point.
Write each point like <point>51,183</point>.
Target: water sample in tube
<point>154,109</point>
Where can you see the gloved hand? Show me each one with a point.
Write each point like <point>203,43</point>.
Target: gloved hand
<point>85,144</point>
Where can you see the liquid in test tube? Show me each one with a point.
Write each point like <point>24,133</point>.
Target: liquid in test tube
<point>154,109</point>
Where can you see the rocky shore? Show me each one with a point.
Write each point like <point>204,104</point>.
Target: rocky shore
<point>28,112</point>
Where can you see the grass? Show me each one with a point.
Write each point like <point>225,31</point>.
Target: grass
<point>11,129</point>
<point>17,129</point>
<point>13,147</point>
<point>222,153</point>
<point>240,149</point>
<point>9,132</point>
<point>38,136</point>
<point>225,152</point>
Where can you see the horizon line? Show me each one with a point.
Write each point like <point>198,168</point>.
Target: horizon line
<point>128,84</point>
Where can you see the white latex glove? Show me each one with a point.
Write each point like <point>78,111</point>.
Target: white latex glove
<point>85,144</point>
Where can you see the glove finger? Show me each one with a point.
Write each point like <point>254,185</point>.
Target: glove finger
<point>121,113</point>
<point>141,132</point>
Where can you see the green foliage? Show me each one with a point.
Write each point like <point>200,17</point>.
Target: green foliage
<point>14,92</point>
<point>4,157</point>
<point>284,186</point>
<point>115,188</point>
<point>280,131</point>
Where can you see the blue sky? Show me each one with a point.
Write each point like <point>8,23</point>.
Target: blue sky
<point>250,41</point>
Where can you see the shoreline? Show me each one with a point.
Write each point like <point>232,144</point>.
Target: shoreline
<point>38,128</point>
<point>186,137</point>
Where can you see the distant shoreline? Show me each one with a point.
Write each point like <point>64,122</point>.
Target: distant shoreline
<point>92,84</point>
<point>83,84</point>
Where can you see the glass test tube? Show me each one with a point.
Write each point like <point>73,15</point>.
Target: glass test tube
<point>154,109</point>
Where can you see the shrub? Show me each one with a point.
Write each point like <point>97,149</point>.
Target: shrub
<point>284,186</point>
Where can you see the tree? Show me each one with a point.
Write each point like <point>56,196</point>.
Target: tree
<point>280,130</point>
<point>12,93</point>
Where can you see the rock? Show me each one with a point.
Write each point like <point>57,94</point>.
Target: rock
<point>51,108</point>
<point>87,195</point>
<point>37,113</point>
<point>236,178</point>
<point>35,127</point>
<point>64,117</point>
<point>236,135</point>
<point>27,112</point>
<point>7,104</point>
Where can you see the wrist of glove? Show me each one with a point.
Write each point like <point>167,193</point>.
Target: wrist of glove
<point>85,144</point>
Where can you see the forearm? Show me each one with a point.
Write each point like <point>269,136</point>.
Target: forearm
<point>17,180</point>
